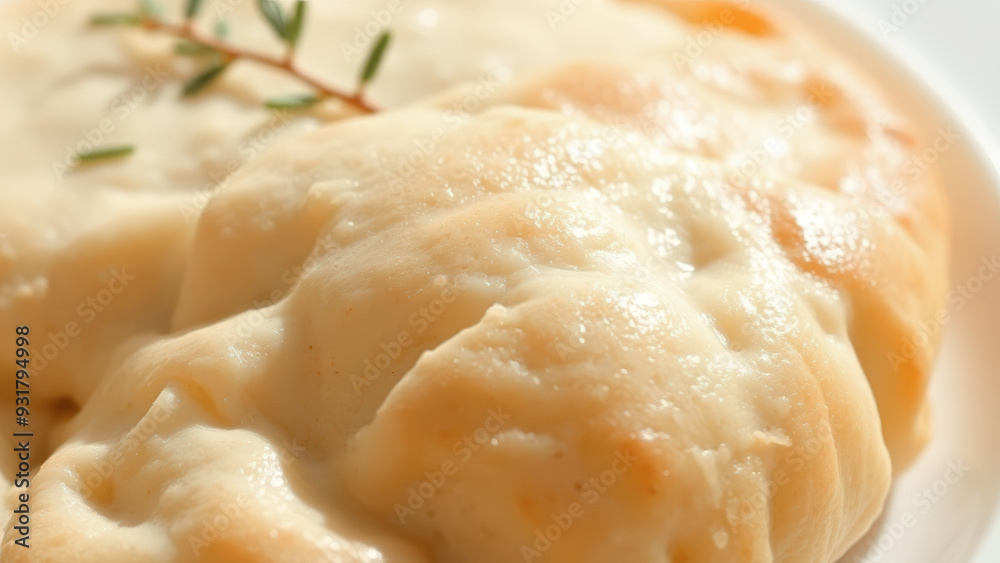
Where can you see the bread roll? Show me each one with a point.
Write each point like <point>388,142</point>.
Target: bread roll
<point>628,302</point>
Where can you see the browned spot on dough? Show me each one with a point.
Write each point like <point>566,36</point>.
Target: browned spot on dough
<point>699,12</point>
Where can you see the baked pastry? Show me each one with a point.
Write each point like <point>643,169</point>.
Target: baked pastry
<point>557,317</point>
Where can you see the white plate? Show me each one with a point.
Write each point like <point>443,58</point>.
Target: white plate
<point>927,519</point>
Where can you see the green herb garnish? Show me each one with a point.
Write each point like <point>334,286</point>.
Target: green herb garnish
<point>115,19</point>
<point>375,57</point>
<point>104,153</point>
<point>294,101</point>
<point>189,49</point>
<point>221,53</point>
<point>198,83</point>
<point>193,6</point>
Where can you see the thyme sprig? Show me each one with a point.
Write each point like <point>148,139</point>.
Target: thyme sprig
<point>221,53</point>
<point>103,153</point>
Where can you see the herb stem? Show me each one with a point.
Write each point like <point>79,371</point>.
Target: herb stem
<point>231,53</point>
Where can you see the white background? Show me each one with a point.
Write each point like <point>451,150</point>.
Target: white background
<point>959,41</point>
